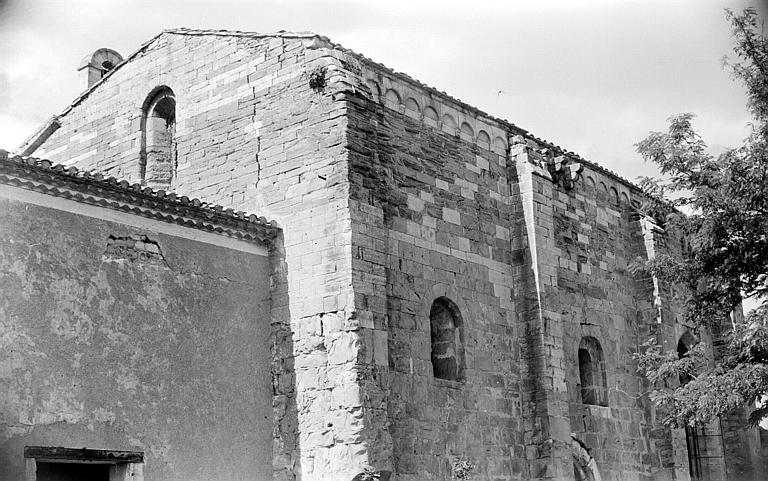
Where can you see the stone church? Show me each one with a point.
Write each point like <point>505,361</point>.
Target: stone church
<point>241,256</point>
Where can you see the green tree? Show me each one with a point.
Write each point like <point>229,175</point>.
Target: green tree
<point>726,201</point>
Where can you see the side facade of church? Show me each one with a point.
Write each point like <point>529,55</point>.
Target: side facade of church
<point>439,290</point>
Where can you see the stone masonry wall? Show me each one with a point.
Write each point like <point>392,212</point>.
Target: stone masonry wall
<point>568,265</point>
<point>586,238</point>
<point>432,200</point>
<point>594,240</point>
<point>253,135</point>
<point>591,235</point>
<point>122,338</point>
<point>545,394</point>
<point>431,213</point>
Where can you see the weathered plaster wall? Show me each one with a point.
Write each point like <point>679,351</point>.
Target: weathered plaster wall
<point>108,345</point>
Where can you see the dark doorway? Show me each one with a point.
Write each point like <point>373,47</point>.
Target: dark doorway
<point>72,472</point>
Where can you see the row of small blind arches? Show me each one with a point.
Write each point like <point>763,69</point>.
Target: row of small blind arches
<point>482,136</point>
<point>430,113</point>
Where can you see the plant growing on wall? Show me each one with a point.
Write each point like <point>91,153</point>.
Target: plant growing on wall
<point>461,469</point>
<point>370,474</point>
<point>317,79</point>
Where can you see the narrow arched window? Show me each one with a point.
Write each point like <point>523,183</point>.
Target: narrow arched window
<point>447,343</point>
<point>592,372</point>
<point>684,345</point>
<point>158,152</point>
<point>692,433</point>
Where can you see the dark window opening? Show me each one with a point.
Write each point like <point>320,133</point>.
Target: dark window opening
<point>446,335</point>
<point>592,373</point>
<point>686,342</point>
<point>588,394</point>
<point>106,66</point>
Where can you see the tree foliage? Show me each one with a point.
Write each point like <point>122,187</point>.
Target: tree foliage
<point>726,201</point>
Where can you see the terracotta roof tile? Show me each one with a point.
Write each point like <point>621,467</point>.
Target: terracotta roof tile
<point>92,187</point>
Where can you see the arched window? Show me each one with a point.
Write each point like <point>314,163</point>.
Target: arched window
<point>686,342</point>
<point>592,372</point>
<point>158,152</point>
<point>447,343</point>
<point>692,438</point>
<point>584,465</point>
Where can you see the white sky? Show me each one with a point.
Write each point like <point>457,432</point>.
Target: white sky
<point>593,76</point>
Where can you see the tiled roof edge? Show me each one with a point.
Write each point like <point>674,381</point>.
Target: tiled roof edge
<point>39,136</point>
<point>147,202</point>
<point>592,165</point>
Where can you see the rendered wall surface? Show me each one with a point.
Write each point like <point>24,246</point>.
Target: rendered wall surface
<point>107,345</point>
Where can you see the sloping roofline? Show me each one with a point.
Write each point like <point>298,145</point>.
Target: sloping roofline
<point>38,137</point>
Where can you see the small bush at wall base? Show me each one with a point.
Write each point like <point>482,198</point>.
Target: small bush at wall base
<point>370,474</point>
<point>462,469</point>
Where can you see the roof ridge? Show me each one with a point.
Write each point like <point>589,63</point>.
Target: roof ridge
<point>195,206</point>
<point>241,33</point>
